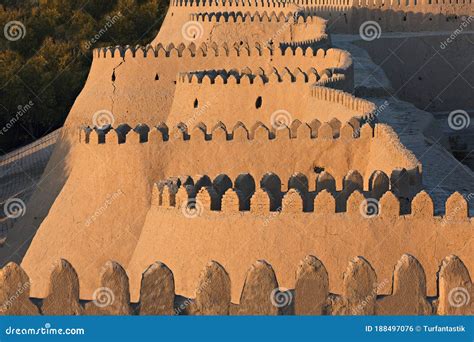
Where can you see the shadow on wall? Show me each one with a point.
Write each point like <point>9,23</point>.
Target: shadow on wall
<point>438,77</point>
<point>350,21</point>
<point>25,226</point>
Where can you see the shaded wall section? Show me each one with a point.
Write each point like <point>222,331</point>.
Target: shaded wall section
<point>438,77</point>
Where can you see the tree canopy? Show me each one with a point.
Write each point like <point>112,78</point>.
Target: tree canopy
<point>46,51</point>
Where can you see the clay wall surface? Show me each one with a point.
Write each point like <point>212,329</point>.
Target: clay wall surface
<point>200,98</point>
<point>235,238</point>
<point>117,181</point>
<point>343,16</point>
<point>251,28</point>
<point>334,149</point>
<point>261,294</point>
<point>135,88</point>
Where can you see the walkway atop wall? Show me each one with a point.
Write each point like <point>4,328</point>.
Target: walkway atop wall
<point>20,171</point>
<point>417,129</point>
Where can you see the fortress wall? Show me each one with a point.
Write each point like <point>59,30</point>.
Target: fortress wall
<point>136,88</point>
<point>347,16</point>
<point>116,179</point>
<point>310,293</point>
<point>265,193</point>
<point>334,149</point>
<point>262,32</point>
<point>202,101</point>
<point>98,214</point>
<point>285,238</point>
<point>398,19</point>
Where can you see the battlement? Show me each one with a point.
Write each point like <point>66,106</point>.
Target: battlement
<point>432,5</point>
<point>366,108</point>
<point>313,192</point>
<point>225,50</point>
<point>260,294</point>
<point>333,130</point>
<point>246,76</point>
<point>233,3</point>
<point>272,17</point>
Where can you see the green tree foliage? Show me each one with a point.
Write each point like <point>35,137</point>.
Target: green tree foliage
<point>49,65</point>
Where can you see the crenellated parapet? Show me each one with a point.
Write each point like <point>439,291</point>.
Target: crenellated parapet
<point>222,50</point>
<point>310,292</point>
<point>232,3</point>
<point>314,192</point>
<point>219,133</point>
<point>260,77</point>
<point>252,17</point>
